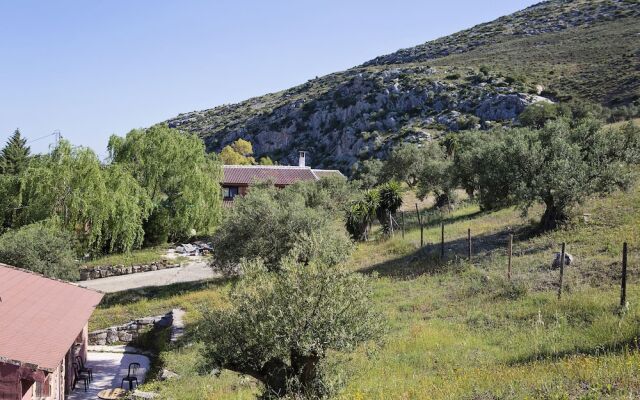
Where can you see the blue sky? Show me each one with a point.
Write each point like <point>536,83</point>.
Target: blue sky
<point>95,68</point>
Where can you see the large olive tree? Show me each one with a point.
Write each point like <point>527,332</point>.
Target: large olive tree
<point>280,325</point>
<point>559,166</point>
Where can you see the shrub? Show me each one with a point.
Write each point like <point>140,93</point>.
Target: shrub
<point>41,248</point>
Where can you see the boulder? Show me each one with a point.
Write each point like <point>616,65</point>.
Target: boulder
<point>166,374</point>
<point>568,259</point>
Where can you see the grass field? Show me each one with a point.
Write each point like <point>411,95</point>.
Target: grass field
<point>458,329</point>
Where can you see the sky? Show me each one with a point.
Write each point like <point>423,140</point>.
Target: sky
<point>90,69</point>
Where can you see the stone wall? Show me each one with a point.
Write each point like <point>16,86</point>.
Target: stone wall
<point>115,270</point>
<point>130,331</point>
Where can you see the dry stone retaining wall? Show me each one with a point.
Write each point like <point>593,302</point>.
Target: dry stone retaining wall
<point>115,270</point>
<point>130,331</point>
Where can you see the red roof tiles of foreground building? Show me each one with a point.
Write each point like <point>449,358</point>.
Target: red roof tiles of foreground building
<point>279,175</point>
<point>40,317</point>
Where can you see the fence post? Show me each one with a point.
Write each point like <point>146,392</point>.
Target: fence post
<point>402,214</point>
<point>442,240</point>
<point>510,250</point>
<point>623,284</point>
<point>421,226</point>
<point>561,270</point>
<point>469,242</point>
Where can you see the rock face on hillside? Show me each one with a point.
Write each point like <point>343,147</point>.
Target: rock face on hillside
<point>480,78</point>
<point>369,112</point>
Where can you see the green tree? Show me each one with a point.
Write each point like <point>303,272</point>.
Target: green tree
<point>436,175</point>
<point>369,173</point>
<point>69,183</point>
<point>103,205</point>
<point>41,247</point>
<point>268,223</point>
<point>560,166</point>
<point>404,164</point>
<point>281,325</point>
<point>14,157</point>
<point>266,160</point>
<point>177,174</point>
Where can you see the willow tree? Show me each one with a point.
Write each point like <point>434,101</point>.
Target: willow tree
<point>103,206</point>
<point>180,178</point>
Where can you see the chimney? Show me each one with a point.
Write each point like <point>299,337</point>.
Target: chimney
<point>301,162</point>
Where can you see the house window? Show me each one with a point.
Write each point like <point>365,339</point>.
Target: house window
<point>229,192</point>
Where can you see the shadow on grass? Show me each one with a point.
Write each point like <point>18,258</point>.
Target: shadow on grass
<point>159,292</point>
<point>428,259</point>
<point>614,347</point>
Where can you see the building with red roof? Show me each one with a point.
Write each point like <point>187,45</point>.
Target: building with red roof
<point>43,327</point>
<point>237,178</point>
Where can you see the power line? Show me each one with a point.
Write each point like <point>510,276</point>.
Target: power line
<point>43,137</point>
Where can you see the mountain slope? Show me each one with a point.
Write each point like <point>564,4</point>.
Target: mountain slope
<point>477,78</point>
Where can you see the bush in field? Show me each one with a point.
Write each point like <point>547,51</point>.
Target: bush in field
<point>42,248</point>
<point>268,223</point>
<point>281,325</point>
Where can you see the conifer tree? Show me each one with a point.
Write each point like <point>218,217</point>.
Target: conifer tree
<point>14,157</point>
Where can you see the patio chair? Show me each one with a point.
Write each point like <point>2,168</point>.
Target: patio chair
<point>80,377</point>
<point>131,375</point>
<point>83,369</point>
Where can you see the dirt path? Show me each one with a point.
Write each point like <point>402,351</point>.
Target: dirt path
<point>190,271</point>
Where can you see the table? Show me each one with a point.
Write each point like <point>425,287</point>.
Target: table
<point>112,394</point>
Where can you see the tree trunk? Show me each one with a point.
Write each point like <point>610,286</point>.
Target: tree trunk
<point>275,375</point>
<point>305,369</point>
<point>553,216</point>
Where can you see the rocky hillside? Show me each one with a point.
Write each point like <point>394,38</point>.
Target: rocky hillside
<point>475,79</point>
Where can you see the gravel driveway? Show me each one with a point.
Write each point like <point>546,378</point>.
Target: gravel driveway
<point>188,272</point>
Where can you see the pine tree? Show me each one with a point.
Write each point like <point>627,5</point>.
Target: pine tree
<point>14,157</point>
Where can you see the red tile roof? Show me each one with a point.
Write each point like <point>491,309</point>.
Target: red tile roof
<point>40,317</point>
<point>279,175</point>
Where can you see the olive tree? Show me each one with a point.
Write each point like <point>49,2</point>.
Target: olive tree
<point>268,223</point>
<point>405,163</point>
<point>436,175</point>
<point>559,166</point>
<point>280,325</point>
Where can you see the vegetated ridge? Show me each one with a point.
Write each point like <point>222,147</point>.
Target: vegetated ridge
<point>479,78</point>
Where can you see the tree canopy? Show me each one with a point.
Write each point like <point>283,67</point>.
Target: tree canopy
<point>177,174</point>
<point>280,325</point>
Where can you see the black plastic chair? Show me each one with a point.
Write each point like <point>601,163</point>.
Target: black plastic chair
<point>131,375</point>
<point>80,377</point>
<point>83,369</point>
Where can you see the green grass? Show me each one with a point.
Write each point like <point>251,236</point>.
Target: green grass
<point>135,257</point>
<point>458,329</point>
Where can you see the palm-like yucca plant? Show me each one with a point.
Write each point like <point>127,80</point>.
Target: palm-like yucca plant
<point>390,201</point>
<point>361,212</point>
